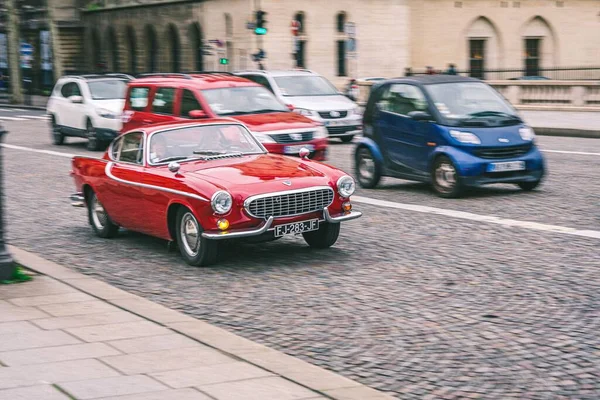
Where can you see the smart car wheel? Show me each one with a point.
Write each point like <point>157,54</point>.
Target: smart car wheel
<point>99,219</point>
<point>324,237</point>
<point>347,139</point>
<point>529,186</point>
<point>93,143</point>
<point>195,249</point>
<point>58,137</point>
<point>366,168</point>
<point>445,178</point>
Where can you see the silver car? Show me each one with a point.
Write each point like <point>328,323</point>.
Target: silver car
<point>312,95</point>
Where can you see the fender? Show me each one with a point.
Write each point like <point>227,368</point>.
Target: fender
<point>464,163</point>
<point>373,147</point>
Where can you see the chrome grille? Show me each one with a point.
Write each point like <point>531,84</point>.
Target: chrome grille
<point>293,137</point>
<point>327,114</point>
<point>289,203</point>
<point>503,152</point>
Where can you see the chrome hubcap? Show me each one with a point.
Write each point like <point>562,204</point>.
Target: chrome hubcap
<point>445,175</point>
<point>98,213</point>
<point>190,233</point>
<point>366,165</point>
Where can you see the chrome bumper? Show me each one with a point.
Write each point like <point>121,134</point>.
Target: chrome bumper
<point>269,222</point>
<point>77,200</point>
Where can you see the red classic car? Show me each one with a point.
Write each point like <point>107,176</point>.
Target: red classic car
<point>198,182</point>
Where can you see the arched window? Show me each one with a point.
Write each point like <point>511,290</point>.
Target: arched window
<point>228,40</point>
<point>173,40</point>
<point>151,49</point>
<point>96,51</point>
<point>539,46</point>
<point>114,49</point>
<point>483,47</point>
<point>341,21</point>
<point>198,51</point>
<point>131,49</point>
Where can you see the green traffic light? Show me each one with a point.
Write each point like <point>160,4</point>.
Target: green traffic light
<point>223,61</point>
<point>260,31</point>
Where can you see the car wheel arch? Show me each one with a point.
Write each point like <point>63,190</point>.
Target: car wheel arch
<point>172,211</point>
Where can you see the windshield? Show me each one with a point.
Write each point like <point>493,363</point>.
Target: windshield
<point>202,142</point>
<point>105,90</point>
<point>243,100</point>
<point>471,104</point>
<point>310,85</point>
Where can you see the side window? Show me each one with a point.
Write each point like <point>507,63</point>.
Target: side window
<point>67,89</point>
<point>76,89</point>
<point>403,99</point>
<point>116,146</point>
<point>188,103</point>
<point>164,100</point>
<point>138,98</point>
<point>261,80</point>
<point>132,148</point>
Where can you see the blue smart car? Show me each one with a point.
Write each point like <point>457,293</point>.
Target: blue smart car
<point>451,131</point>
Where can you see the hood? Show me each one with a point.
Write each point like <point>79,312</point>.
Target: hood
<point>114,105</point>
<point>321,103</point>
<point>275,121</point>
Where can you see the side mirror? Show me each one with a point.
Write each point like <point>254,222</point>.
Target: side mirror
<point>290,107</point>
<point>174,166</point>
<point>420,116</point>
<point>197,114</point>
<point>76,99</point>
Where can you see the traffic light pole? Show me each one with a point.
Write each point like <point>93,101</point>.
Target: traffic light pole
<point>7,264</point>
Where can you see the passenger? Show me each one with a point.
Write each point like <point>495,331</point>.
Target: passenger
<point>159,148</point>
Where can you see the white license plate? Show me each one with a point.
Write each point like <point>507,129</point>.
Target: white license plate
<point>506,166</point>
<point>297,227</point>
<point>336,123</point>
<point>296,149</point>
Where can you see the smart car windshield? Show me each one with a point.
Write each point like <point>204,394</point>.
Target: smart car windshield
<point>310,85</point>
<point>243,100</point>
<point>202,142</point>
<point>471,104</point>
<point>108,89</point>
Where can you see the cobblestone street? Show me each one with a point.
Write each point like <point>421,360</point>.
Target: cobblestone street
<point>415,304</point>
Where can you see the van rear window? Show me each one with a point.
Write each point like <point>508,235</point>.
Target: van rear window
<point>138,98</point>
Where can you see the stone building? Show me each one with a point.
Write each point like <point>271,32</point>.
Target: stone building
<point>185,35</point>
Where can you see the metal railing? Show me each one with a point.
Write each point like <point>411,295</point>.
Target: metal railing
<point>554,73</point>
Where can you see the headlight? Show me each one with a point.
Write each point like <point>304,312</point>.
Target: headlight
<point>104,113</point>
<point>527,133</point>
<point>221,202</point>
<point>321,133</point>
<point>304,111</point>
<point>465,137</point>
<point>263,137</point>
<point>346,186</point>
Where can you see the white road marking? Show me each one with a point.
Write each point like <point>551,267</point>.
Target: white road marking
<point>583,153</point>
<point>416,208</point>
<point>4,109</point>
<point>50,152</point>
<point>477,217</point>
<point>12,119</point>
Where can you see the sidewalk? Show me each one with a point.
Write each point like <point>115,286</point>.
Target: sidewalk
<point>37,102</point>
<point>68,336</point>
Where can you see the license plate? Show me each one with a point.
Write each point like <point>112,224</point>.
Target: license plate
<point>506,166</point>
<point>297,227</point>
<point>296,149</point>
<point>336,123</point>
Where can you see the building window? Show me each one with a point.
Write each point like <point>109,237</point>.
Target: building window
<point>476,57</point>
<point>532,57</point>
<point>300,41</point>
<point>341,22</point>
<point>341,58</point>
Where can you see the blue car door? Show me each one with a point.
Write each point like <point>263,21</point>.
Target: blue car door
<point>404,139</point>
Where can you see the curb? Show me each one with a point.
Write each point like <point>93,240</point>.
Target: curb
<point>319,380</point>
<point>580,133</point>
<point>22,106</point>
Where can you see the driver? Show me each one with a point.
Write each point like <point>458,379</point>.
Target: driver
<point>158,149</point>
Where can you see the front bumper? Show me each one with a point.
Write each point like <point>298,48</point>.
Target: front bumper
<point>318,152</point>
<point>267,226</point>
<point>77,199</point>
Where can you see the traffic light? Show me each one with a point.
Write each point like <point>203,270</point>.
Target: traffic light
<point>260,28</point>
<point>223,61</point>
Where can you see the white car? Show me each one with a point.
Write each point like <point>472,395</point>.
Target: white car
<point>312,95</point>
<point>88,106</point>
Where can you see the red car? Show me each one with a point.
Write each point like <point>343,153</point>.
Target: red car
<point>199,182</point>
<point>157,98</point>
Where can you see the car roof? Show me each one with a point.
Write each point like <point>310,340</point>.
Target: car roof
<point>274,73</point>
<point>201,80</point>
<point>433,79</point>
<point>89,77</point>
<point>151,129</point>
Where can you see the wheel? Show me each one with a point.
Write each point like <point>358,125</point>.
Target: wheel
<point>324,237</point>
<point>194,249</point>
<point>93,143</point>
<point>347,139</point>
<point>446,181</point>
<point>58,138</point>
<point>529,186</point>
<point>366,168</point>
<point>99,219</point>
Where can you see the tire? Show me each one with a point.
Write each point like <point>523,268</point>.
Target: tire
<point>99,219</point>
<point>58,138</point>
<point>529,186</point>
<point>347,139</point>
<point>366,169</point>
<point>445,179</point>
<point>200,254</point>
<point>93,143</point>
<point>324,237</point>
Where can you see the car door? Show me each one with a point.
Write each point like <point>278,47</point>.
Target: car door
<point>405,139</point>
<point>123,196</point>
<point>137,108</point>
<point>187,102</point>
<point>70,113</point>
<point>162,106</point>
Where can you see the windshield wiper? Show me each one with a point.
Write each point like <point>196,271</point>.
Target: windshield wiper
<point>208,152</point>
<point>494,114</point>
<point>173,158</point>
<point>265,110</point>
